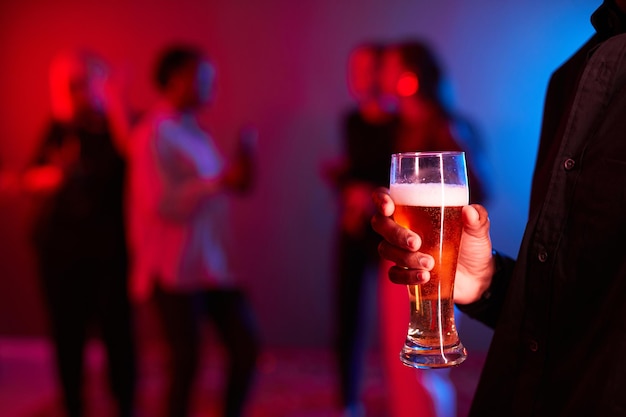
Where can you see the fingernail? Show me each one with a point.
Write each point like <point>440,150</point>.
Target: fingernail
<point>411,242</point>
<point>423,277</point>
<point>426,262</point>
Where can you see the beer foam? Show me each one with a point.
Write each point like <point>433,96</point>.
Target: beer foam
<point>429,195</point>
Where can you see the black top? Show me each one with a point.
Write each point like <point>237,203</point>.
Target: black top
<point>85,217</point>
<point>368,147</point>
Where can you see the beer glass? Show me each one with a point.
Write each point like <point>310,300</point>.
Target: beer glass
<point>429,190</point>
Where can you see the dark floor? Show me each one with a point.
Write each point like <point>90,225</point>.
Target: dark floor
<point>291,383</point>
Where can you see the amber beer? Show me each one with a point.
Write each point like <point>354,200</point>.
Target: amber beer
<point>433,211</point>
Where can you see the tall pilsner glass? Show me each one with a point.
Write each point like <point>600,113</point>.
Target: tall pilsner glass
<point>429,190</point>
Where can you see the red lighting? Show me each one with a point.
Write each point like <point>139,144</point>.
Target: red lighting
<point>42,179</point>
<point>408,84</point>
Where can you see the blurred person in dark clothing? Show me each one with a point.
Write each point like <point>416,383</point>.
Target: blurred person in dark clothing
<point>368,133</point>
<point>79,235</point>
<point>557,312</point>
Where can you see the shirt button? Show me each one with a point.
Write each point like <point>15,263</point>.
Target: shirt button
<point>543,256</point>
<point>533,346</point>
<point>569,164</point>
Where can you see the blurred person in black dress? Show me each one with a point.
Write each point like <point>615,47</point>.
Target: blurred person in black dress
<point>79,238</point>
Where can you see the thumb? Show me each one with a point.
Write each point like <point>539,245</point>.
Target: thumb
<point>476,241</point>
<point>475,263</point>
<point>476,221</point>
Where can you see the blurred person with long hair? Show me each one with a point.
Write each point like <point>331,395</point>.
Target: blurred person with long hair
<point>79,235</point>
<point>412,83</point>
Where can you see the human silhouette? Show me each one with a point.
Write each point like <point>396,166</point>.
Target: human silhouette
<point>180,185</point>
<point>79,235</point>
<point>367,142</point>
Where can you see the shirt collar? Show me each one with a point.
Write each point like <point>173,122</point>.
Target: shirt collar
<point>608,20</point>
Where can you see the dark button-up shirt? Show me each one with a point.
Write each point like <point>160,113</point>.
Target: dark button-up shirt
<point>560,312</point>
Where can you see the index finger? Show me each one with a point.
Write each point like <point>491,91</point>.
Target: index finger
<point>384,225</point>
<point>395,234</point>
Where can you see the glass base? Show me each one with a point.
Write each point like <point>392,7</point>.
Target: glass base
<point>422,357</point>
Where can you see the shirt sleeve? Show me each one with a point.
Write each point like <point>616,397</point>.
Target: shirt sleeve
<point>487,309</point>
<point>182,186</point>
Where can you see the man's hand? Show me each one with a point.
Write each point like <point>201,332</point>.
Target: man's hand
<point>400,245</point>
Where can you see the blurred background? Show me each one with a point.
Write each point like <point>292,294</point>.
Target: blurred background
<point>282,67</point>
